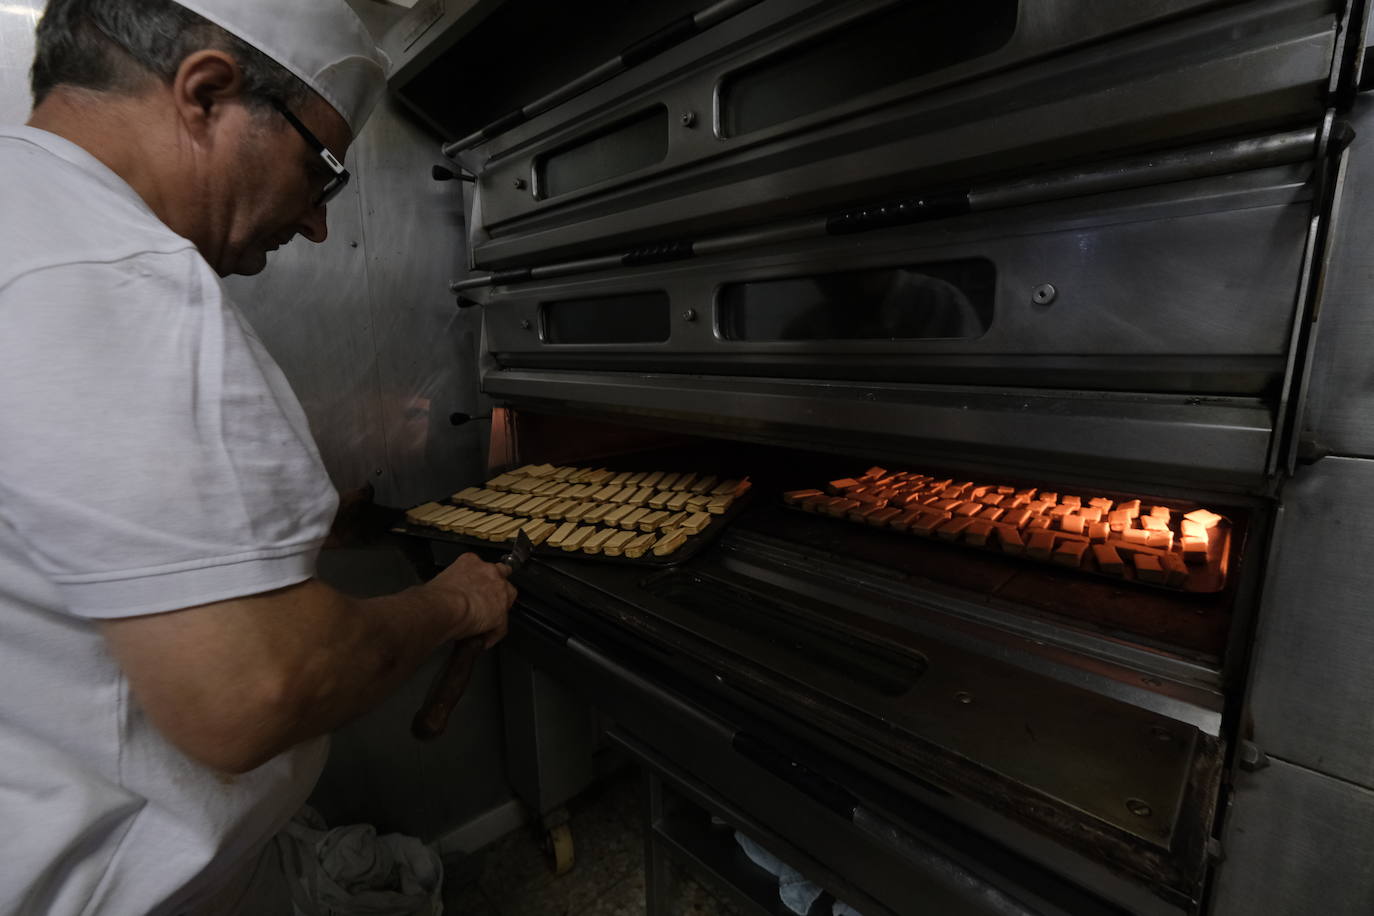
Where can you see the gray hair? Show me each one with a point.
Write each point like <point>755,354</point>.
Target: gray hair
<point>116,45</point>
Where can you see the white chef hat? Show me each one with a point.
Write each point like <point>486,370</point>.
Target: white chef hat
<point>321,41</point>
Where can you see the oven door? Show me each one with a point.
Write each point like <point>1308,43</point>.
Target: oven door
<point>796,107</point>
<point>1059,799</point>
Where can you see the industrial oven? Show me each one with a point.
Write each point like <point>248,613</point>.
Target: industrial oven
<point>1079,247</point>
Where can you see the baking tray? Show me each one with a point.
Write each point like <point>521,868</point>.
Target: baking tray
<point>691,548</point>
<point>1202,580</point>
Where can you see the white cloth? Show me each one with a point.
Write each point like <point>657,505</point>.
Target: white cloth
<point>321,41</point>
<point>351,871</point>
<point>796,893</point>
<point>152,458</point>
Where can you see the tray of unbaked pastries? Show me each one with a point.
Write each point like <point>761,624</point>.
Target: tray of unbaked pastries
<point>649,518</point>
<point>1165,545</point>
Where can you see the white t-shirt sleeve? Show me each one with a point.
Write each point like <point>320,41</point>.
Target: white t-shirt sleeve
<point>152,455</point>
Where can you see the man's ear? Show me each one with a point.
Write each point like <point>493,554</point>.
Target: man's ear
<point>203,85</point>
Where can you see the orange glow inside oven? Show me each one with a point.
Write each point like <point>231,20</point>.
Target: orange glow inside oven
<point>1160,543</point>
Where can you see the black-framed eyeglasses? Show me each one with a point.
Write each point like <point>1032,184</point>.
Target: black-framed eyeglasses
<point>340,179</point>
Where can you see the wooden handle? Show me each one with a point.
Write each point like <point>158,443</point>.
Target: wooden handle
<point>447,690</point>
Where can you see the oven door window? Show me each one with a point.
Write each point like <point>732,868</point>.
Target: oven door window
<point>625,319</point>
<point>627,147</point>
<point>890,47</point>
<point>951,300</point>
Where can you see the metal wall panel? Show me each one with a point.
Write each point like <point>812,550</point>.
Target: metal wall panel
<point>1340,411</point>
<point>17,21</point>
<point>426,349</point>
<point>1297,844</point>
<point>311,309</point>
<point>365,328</point>
<point>1312,680</point>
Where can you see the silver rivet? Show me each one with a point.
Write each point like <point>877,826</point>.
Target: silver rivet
<point>689,118</point>
<point>1138,807</point>
<point>689,315</point>
<point>1044,294</point>
<point>519,184</point>
<point>526,324</point>
<point>964,697</point>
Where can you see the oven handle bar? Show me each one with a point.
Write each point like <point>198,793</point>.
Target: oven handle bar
<point>674,33</point>
<point>1157,168</point>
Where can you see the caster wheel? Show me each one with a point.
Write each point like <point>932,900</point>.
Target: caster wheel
<point>558,849</point>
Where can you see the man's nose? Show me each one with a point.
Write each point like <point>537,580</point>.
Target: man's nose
<point>314,225</point>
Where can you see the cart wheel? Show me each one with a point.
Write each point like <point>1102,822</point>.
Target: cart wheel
<point>558,849</point>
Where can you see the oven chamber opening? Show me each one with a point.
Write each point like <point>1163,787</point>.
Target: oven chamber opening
<point>1195,628</point>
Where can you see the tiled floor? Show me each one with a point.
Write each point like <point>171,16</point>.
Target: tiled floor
<point>510,877</point>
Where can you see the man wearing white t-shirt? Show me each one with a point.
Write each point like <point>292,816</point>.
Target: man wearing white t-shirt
<point>168,662</point>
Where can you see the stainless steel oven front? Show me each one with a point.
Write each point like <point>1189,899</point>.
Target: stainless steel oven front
<point>1060,245</point>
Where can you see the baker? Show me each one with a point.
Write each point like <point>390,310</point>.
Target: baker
<point>168,662</point>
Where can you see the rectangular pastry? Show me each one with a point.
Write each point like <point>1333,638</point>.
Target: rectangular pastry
<point>615,544</point>
<point>670,542</point>
<point>1108,560</point>
<point>952,529</point>
<point>1070,553</point>
<point>597,541</point>
<point>637,546</point>
<point>978,532</point>
<point>1041,545</point>
<point>1148,568</point>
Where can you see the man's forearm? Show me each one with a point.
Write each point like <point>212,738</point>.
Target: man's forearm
<point>374,645</point>
<point>235,683</point>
